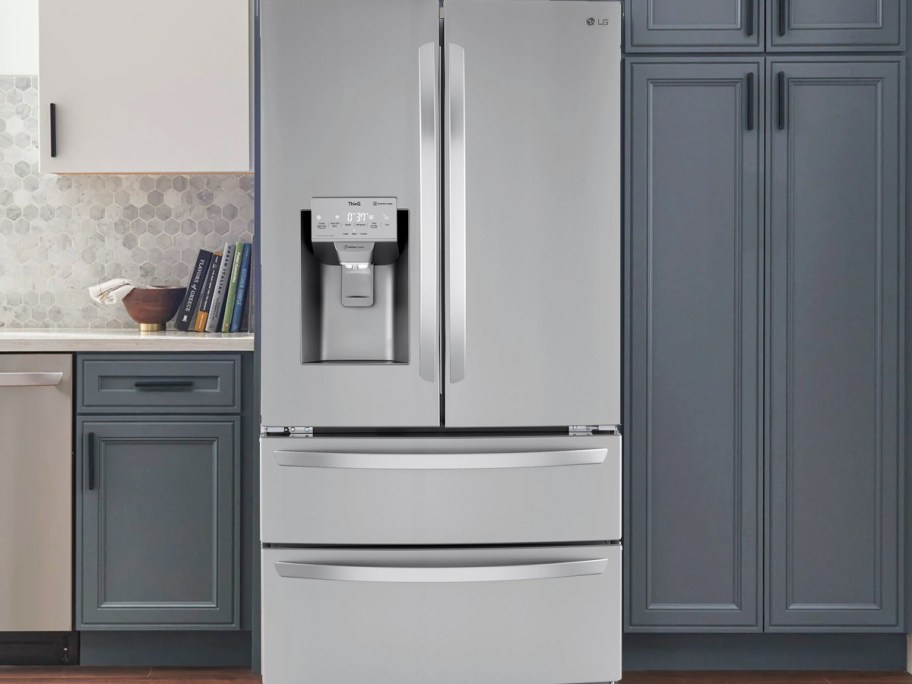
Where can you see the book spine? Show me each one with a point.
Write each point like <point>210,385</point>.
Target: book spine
<point>216,311</point>
<point>202,315</point>
<point>243,280</point>
<point>246,319</point>
<point>191,299</point>
<point>232,287</point>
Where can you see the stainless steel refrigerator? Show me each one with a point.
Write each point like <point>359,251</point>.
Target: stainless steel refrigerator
<point>440,341</point>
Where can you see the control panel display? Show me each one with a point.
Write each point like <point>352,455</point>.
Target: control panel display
<point>346,219</point>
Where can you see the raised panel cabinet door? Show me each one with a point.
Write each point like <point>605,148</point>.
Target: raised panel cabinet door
<point>692,428</point>
<point>837,25</point>
<point>157,520</point>
<point>694,25</point>
<point>144,86</point>
<point>835,375</point>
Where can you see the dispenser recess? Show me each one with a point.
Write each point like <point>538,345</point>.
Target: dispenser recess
<point>354,281</point>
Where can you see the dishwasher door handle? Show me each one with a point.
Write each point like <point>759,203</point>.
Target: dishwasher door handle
<point>37,379</point>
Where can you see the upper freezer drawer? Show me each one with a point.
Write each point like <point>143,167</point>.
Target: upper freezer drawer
<point>159,384</point>
<point>444,490</point>
<point>492,616</point>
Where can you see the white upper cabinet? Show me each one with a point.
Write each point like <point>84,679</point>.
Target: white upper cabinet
<point>144,86</point>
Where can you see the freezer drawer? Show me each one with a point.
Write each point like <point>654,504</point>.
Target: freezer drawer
<point>442,490</point>
<point>498,616</point>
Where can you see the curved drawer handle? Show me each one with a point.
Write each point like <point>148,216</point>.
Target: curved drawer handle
<point>431,461</point>
<point>39,379</point>
<point>482,573</point>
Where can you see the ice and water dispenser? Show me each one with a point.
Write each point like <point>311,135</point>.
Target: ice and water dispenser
<point>355,281</point>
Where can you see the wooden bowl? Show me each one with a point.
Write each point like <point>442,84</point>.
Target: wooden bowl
<point>152,307</point>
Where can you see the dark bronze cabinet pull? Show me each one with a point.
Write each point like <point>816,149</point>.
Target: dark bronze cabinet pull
<point>53,130</point>
<point>91,459</point>
<point>163,385</point>
<point>750,102</point>
<point>780,79</point>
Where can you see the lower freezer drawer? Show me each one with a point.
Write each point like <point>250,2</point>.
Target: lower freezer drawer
<point>500,616</point>
<point>430,491</point>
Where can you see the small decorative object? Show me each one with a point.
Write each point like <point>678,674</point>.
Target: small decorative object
<point>152,307</point>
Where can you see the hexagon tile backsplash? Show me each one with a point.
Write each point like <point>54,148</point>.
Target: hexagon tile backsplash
<point>61,234</point>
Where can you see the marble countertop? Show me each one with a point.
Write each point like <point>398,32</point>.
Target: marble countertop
<point>74,340</point>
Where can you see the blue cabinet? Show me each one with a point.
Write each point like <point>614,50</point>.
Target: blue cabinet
<point>835,378</point>
<point>158,523</point>
<point>159,486</point>
<point>693,424</point>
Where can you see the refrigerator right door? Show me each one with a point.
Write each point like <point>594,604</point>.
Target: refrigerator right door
<point>533,213</point>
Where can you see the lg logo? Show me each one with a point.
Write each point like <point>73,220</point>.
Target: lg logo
<point>591,21</point>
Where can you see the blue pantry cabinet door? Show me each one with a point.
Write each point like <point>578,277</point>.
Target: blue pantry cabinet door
<point>835,320</point>
<point>695,25</point>
<point>692,429</point>
<point>836,25</point>
<point>158,521</point>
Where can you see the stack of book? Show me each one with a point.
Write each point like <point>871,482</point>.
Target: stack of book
<point>219,292</point>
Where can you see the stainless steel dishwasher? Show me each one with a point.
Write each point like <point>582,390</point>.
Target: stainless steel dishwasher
<point>36,493</point>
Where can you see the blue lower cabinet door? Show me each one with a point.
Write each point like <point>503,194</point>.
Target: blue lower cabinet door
<point>157,528</point>
<point>835,376</point>
<point>692,429</point>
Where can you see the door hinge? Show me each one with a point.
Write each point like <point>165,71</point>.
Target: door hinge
<point>588,430</point>
<point>269,431</point>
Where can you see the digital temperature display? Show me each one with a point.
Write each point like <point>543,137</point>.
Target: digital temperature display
<point>354,219</point>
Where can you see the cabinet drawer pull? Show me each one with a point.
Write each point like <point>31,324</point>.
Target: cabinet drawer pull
<point>53,121</point>
<point>483,573</point>
<point>783,16</point>
<point>749,17</point>
<point>163,385</point>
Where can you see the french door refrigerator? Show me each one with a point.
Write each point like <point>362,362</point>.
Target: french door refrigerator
<point>440,341</point>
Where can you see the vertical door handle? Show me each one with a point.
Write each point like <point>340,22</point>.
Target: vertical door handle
<point>783,16</point>
<point>749,17</point>
<point>780,97</point>
<point>429,153</point>
<point>90,460</point>
<point>456,203</point>
<point>53,120</point>
<point>750,101</point>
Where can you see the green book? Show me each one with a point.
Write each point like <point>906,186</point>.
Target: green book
<point>232,288</point>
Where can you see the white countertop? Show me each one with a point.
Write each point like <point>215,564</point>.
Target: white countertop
<point>70,340</point>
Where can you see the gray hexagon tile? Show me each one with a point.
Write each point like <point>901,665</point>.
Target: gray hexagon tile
<point>61,234</point>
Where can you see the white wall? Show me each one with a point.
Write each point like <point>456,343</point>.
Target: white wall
<point>18,37</point>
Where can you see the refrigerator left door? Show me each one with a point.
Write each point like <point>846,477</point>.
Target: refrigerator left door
<point>36,493</point>
<point>350,111</point>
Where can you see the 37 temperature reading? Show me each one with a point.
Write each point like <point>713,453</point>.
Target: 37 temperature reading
<point>354,217</point>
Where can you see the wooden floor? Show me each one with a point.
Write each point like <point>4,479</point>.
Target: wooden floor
<point>83,675</point>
